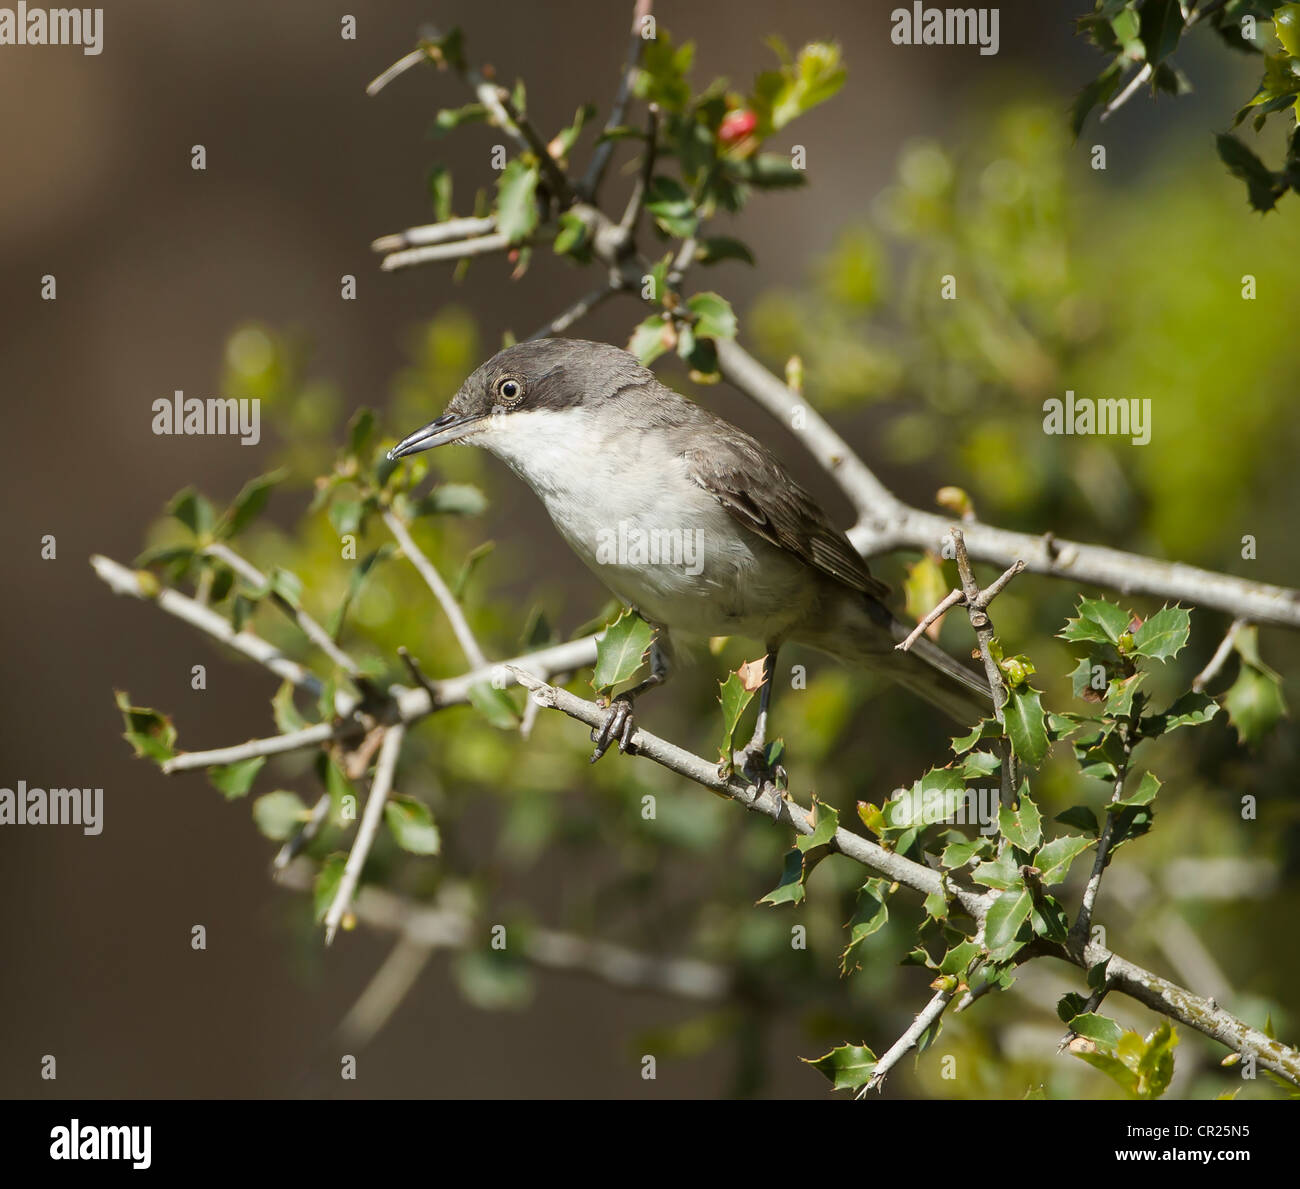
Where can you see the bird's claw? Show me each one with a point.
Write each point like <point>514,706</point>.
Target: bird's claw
<point>753,764</point>
<point>618,725</point>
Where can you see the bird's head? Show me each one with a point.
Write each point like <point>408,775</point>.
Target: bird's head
<point>523,384</point>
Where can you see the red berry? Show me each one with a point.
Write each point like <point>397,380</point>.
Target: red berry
<point>736,125</point>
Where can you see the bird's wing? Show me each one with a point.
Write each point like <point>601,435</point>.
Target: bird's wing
<point>745,479</point>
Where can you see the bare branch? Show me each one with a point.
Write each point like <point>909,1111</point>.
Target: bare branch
<point>124,581</point>
<point>635,203</point>
<point>446,251</point>
<point>441,592</point>
<point>310,628</point>
<point>1220,657</point>
<point>1130,89</point>
<point>590,184</point>
<point>578,310</point>
<point>936,613</point>
<point>434,233</point>
<point>380,786</point>
<point>908,1041</point>
<point>550,168</point>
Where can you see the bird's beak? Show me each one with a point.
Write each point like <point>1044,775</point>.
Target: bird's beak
<point>450,427</point>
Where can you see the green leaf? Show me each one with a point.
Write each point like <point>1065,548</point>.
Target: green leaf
<point>571,238</point>
<point>1263,187</point>
<point>790,890</point>
<point>990,728</point>
<point>412,825</point>
<point>649,339</point>
<point>1098,621</point>
<point>1163,635</point>
<point>234,780</point>
<point>661,78</point>
<point>517,201</point>
<point>287,718</point>
<point>621,650</point>
<point>1098,92</point>
<point>1254,703</point>
<point>1022,827</point>
<point>1000,873</point>
<point>494,704</point>
<point>1119,695</point>
<point>1191,710</point>
<point>439,184</point>
<point>356,580</point>
<point>671,206</point>
<point>1101,1030</point>
<point>193,511</point>
<point>958,959</point>
<point>451,118</point>
<point>869,917</point>
<point>716,248</point>
<point>1286,28</point>
<point>248,504</point>
<point>345,516</point>
<point>1026,726</point>
<point>828,822</point>
<point>1160,28</point>
<point>1055,858</point>
<point>150,733</point>
<point>452,499</point>
<point>734,698</point>
<point>566,138</point>
<point>796,87</point>
<point>277,815</point>
<point>327,883</point>
<point>958,854</point>
<point>1144,794</point>
<point>932,799</point>
<point>714,316</point>
<point>1081,817</point>
<point>1113,1068</point>
<point>1007,914</point>
<point>847,1067</point>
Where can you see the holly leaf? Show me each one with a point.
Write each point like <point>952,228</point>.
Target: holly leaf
<point>621,650</point>
<point>1163,635</point>
<point>1026,725</point>
<point>412,825</point>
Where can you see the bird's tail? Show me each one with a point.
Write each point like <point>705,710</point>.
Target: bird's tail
<point>865,632</point>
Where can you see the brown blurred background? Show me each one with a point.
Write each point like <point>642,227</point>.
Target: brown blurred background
<point>156,264</point>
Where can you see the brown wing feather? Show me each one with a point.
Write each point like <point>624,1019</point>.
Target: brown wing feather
<point>744,478</point>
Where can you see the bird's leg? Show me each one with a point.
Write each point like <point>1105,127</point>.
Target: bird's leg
<point>618,724</point>
<point>753,760</point>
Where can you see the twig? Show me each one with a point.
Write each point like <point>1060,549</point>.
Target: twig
<point>441,592</point>
<point>434,233</point>
<point>310,628</point>
<point>380,786</point>
<point>908,1041</point>
<point>444,926</point>
<point>385,992</point>
<point>590,184</point>
<point>446,251</point>
<point>302,837</point>
<point>641,187</point>
<point>122,580</point>
<point>313,736</point>
<point>950,600</point>
<point>400,67</point>
<point>1126,94</point>
<point>1079,931</point>
<point>1220,657</point>
<point>578,310</point>
<point>550,168</point>
<point>418,674</point>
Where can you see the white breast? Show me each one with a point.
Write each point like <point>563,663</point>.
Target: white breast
<point>662,544</point>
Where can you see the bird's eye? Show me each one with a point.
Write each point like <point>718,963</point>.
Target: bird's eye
<point>510,389</point>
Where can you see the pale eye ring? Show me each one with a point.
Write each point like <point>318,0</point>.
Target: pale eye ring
<point>510,390</point>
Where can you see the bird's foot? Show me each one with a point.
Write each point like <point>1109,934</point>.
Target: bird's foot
<point>761,763</point>
<point>618,725</point>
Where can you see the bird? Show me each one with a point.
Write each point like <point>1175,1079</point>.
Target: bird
<point>686,519</point>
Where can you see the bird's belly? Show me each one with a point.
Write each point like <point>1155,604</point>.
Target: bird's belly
<point>698,575</point>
